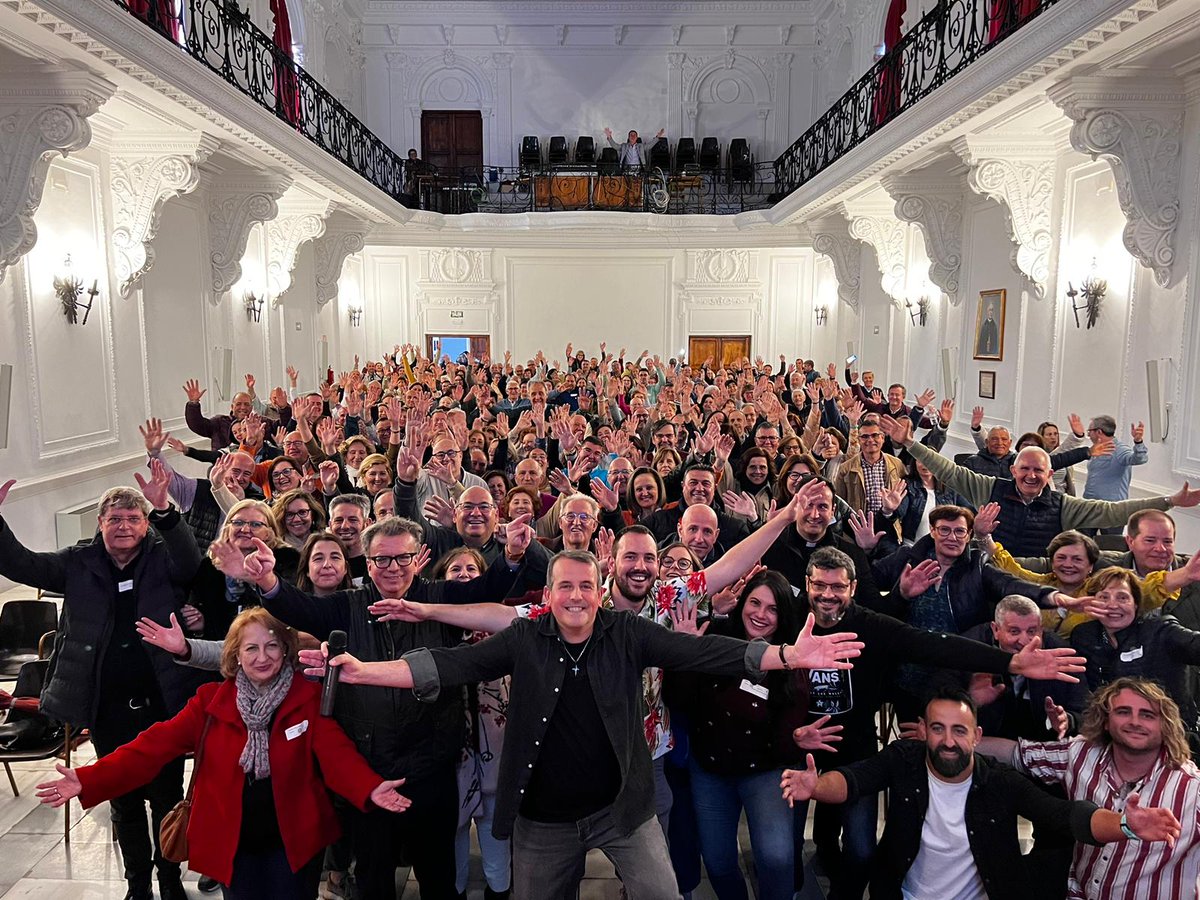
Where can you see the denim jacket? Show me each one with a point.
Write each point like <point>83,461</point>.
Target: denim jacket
<point>623,644</point>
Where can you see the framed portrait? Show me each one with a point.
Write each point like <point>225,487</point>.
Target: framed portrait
<point>987,384</point>
<point>989,325</point>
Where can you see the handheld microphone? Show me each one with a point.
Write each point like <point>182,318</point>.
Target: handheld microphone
<point>337,646</point>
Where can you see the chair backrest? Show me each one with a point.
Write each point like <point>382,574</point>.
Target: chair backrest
<point>585,149</point>
<point>23,622</point>
<point>32,678</point>
<point>660,154</point>
<point>531,150</point>
<point>557,153</point>
<point>710,153</point>
<point>685,152</point>
<point>608,164</point>
<point>960,458</point>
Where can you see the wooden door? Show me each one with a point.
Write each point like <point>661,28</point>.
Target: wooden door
<point>477,345</point>
<point>724,350</point>
<point>452,140</point>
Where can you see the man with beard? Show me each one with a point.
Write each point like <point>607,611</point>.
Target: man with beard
<point>349,515</point>
<point>850,700</point>
<point>952,817</point>
<point>1132,739</point>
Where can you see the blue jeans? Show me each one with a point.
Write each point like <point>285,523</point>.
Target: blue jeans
<point>548,857</point>
<point>719,800</point>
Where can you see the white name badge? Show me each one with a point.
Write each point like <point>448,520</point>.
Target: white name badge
<point>124,586</point>
<point>1131,655</point>
<point>296,730</point>
<point>757,690</point>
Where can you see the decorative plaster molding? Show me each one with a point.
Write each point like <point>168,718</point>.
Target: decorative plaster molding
<point>831,238</point>
<point>426,298</point>
<point>344,234</point>
<point>43,111</point>
<point>619,34</point>
<point>676,34</point>
<point>147,171</point>
<point>933,201</point>
<point>1136,125</point>
<point>456,265</point>
<point>746,300</point>
<point>301,218</point>
<point>234,207</point>
<point>873,221</point>
<point>721,266</point>
<point>1017,171</point>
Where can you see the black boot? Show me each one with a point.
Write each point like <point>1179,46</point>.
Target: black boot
<point>171,889</point>
<point>208,885</point>
<point>139,890</point>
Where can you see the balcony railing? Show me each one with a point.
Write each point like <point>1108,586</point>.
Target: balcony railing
<point>949,38</point>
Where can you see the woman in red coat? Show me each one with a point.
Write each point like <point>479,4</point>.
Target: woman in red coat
<point>261,813</point>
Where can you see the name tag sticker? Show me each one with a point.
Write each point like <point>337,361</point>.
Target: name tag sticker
<point>1131,655</point>
<point>123,586</point>
<point>757,690</point>
<point>296,730</point>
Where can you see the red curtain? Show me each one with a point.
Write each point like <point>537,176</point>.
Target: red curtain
<point>887,94</point>
<point>1002,12</point>
<point>287,89</point>
<point>157,12</point>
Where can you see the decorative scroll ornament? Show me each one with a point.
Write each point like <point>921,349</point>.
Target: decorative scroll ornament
<point>301,219</point>
<point>1136,125</point>
<point>831,238</point>
<point>934,203</point>
<point>236,206</point>
<point>343,235</point>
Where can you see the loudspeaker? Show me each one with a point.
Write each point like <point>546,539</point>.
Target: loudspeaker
<point>5,402</point>
<point>222,368</point>
<point>950,372</point>
<point>1158,386</point>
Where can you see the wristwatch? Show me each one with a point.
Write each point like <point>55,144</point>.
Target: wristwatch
<point>1126,830</point>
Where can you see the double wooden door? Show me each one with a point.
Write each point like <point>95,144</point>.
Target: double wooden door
<point>723,350</point>
<point>452,140</point>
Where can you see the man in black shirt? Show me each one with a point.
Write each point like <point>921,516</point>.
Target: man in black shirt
<point>594,786</point>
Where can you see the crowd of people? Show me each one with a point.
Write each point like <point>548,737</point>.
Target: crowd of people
<point>616,603</point>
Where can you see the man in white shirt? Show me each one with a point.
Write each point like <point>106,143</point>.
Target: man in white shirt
<point>632,154</point>
<point>951,829</point>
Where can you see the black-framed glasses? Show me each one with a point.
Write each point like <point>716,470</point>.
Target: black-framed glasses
<point>386,562</point>
<point>446,455</point>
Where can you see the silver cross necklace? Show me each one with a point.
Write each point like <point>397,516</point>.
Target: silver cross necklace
<point>575,659</point>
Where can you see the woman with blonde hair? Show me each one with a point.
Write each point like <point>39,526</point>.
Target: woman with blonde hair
<point>375,475</point>
<point>265,761</point>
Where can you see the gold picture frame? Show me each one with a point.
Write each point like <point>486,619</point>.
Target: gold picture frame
<point>988,342</point>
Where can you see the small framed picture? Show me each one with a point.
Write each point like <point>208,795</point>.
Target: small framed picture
<point>987,384</point>
<point>989,325</point>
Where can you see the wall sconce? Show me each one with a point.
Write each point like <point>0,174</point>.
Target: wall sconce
<point>68,288</point>
<point>355,316</point>
<point>918,312</point>
<point>253,305</point>
<point>822,314</point>
<point>1093,290</point>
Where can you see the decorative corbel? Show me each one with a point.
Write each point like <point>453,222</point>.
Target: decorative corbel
<point>873,220</point>
<point>933,201</point>
<point>301,218</point>
<point>831,238</point>
<point>1136,125</point>
<point>344,234</point>
<point>235,205</point>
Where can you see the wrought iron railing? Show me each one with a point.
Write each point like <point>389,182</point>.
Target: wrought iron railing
<point>949,38</point>
<point>222,37</point>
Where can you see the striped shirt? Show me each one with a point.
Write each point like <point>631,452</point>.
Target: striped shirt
<point>1125,870</point>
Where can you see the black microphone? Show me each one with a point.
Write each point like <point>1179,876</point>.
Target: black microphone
<point>337,646</point>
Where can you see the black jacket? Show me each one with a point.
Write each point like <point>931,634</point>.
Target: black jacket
<point>623,644</point>
<point>997,797</point>
<point>789,556</point>
<point>1153,647</point>
<point>665,523</point>
<point>1000,467</point>
<point>1011,716</point>
<point>974,585</point>
<point>400,737</point>
<point>853,696</point>
<point>83,575</point>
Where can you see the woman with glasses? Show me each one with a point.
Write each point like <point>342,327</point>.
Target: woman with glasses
<point>677,561</point>
<point>297,515</point>
<point>283,474</point>
<point>218,599</point>
<point>922,493</point>
<point>261,816</point>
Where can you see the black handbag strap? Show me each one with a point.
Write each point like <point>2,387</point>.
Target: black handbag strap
<point>196,757</point>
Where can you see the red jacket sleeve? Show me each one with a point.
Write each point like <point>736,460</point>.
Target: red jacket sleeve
<point>138,762</point>
<point>343,768</point>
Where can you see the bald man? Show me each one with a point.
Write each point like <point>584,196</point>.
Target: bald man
<point>1031,512</point>
<point>700,530</point>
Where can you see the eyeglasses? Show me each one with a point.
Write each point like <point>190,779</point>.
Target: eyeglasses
<point>947,531</point>
<point>244,523</point>
<point>795,476</point>
<point>299,514</point>
<point>123,521</point>
<point>825,587</point>
<point>873,436</point>
<point>400,560</point>
<point>281,472</point>
<point>445,455</point>
<point>577,518</point>
<point>683,564</point>
<point>477,507</point>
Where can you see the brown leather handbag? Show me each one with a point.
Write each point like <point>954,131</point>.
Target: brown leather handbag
<point>172,833</point>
